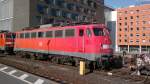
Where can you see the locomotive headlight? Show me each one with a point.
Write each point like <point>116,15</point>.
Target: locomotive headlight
<point>105,46</point>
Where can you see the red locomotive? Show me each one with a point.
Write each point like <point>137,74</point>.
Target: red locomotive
<point>7,41</point>
<point>66,43</point>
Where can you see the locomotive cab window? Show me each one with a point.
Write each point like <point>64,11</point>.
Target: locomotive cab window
<point>1,36</point>
<point>13,35</point>
<point>58,33</point>
<point>88,32</point>
<point>98,31</point>
<point>40,34</point>
<point>8,36</point>
<point>81,32</point>
<point>69,32</point>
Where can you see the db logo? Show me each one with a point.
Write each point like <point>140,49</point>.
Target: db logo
<point>40,44</point>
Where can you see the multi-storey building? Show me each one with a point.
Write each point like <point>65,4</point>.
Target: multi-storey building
<point>17,14</point>
<point>133,29</point>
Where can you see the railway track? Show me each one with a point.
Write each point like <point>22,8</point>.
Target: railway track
<point>33,66</point>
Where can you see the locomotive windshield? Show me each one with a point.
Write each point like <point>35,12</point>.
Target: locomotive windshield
<point>10,35</point>
<point>99,32</point>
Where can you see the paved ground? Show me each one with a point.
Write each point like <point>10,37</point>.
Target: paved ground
<point>6,79</point>
<point>9,75</point>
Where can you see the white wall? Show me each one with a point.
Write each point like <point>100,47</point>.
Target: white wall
<point>6,14</point>
<point>114,16</point>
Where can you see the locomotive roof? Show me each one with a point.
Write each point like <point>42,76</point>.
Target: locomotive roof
<point>61,27</point>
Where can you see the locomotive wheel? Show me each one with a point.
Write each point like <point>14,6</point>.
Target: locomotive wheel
<point>1,51</point>
<point>27,55</point>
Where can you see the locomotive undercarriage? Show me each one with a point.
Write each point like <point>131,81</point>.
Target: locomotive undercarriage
<point>7,50</point>
<point>67,60</point>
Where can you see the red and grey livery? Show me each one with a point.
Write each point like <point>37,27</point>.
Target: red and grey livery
<point>91,41</point>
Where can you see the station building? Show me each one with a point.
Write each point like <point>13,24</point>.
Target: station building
<point>133,29</point>
<point>17,14</point>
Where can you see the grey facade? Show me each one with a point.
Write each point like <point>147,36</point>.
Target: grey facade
<point>18,14</point>
<point>110,21</point>
<point>53,11</point>
<point>6,14</point>
<point>14,14</point>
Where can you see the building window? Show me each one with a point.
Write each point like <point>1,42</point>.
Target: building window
<point>70,6</point>
<point>40,8</point>
<point>144,22</point>
<point>125,40</point>
<point>131,17</point>
<point>137,41</point>
<point>126,18</point>
<point>137,17</point>
<point>59,13</point>
<point>137,11</point>
<point>53,12</point>
<point>131,23</point>
<point>137,35</point>
<point>59,3</point>
<point>74,16</point>
<point>64,14</point>
<point>137,29</point>
<point>125,29</point>
<point>85,1</point>
<point>131,28</point>
<point>120,40</point>
<point>144,34</point>
<point>125,23</point>
<point>131,35</point>
<point>131,41</point>
<point>120,24</point>
<point>120,18</point>
<point>119,35</point>
<point>119,29</point>
<point>95,5</point>
<point>49,1</point>
<point>89,2</point>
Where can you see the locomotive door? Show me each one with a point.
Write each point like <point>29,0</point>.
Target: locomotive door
<point>88,41</point>
<point>81,45</point>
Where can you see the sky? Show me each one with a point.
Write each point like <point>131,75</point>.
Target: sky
<point>122,3</point>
